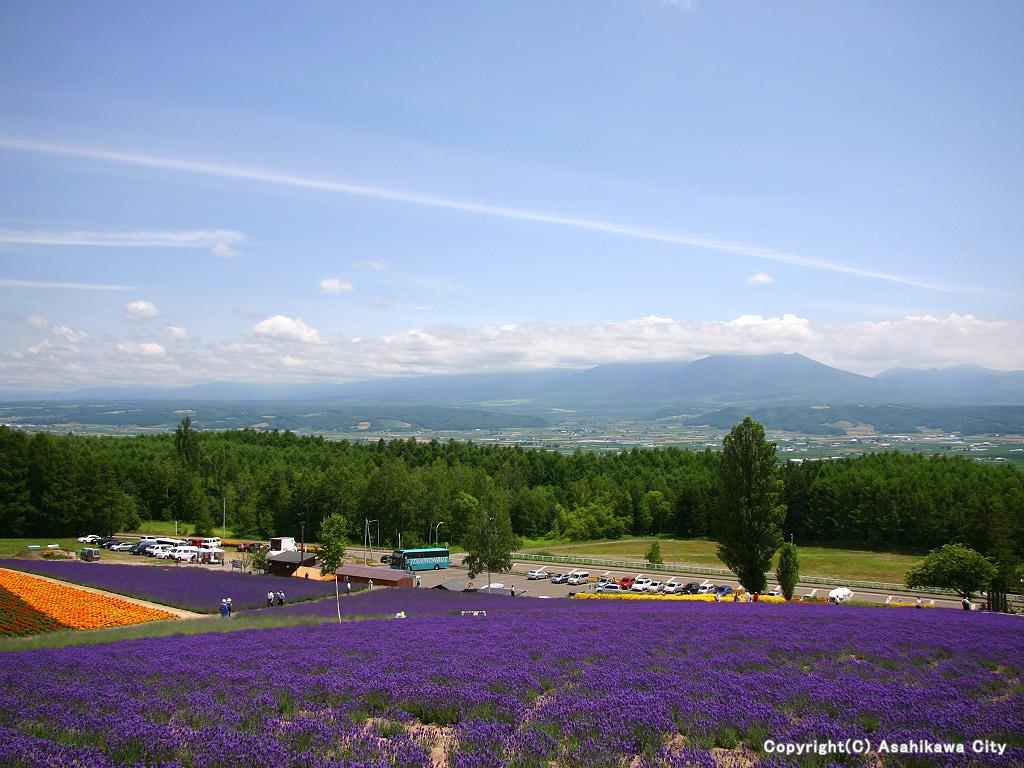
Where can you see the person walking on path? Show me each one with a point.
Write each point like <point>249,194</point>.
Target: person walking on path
<point>513,590</point>
<point>918,603</point>
<point>270,598</point>
<point>280,597</point>
<point>348,587</point>
<point>231,608</point>
<point>224,608</point>
<point>966,604</point>
<point>419,581</point>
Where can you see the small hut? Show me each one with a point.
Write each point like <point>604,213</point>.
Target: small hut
<point>288,562</point>
<point>381,577</point>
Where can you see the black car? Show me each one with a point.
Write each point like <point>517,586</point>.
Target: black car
<point>140,548</point>
<point>690,589</point>
<point>106,542</point>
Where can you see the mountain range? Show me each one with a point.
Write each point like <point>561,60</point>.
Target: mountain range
<point>657,388</point>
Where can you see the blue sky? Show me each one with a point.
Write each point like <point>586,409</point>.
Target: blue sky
<point>193,192</point>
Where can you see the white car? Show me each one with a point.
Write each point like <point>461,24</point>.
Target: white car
<point>609,586</point>
<point>92,537</point>
<point>640,585</point>
<point>672,588</point>
<point>577,579</point>
<point>540,573</point>
<point>705,589</point>
<point>121,546</point>
<point>160,550</point>
<point>654,586</point>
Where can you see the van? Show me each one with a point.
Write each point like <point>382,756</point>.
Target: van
<point>212,541</point>
<point>183,554</point>
<point>580,577</point>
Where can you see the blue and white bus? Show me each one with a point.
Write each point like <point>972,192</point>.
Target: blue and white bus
<point>419,559</point>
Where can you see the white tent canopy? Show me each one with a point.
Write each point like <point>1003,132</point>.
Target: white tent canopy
<point>840,594</point>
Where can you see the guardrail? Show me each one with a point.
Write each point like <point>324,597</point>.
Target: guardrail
<point>703,570</point>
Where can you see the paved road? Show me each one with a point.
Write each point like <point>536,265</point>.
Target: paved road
<point>544,588</point>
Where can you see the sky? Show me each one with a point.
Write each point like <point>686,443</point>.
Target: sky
<point>195,192</point>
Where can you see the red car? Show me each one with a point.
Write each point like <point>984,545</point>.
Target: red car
<point>627,581</point>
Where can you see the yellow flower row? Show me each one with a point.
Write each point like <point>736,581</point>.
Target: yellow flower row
<point>76,608</point>
<point>691,598</point>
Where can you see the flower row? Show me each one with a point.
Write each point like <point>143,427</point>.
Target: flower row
<point>676,598</point>
<point>18,618</point>
<point>73,607</point>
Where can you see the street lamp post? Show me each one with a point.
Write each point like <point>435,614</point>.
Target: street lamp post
<point>435,532</point>
<point>366,536</point>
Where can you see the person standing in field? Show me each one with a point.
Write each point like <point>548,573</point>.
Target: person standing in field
<point>224,608</point>
<point>348,586</point>
<point>270,598</point>
<point>966,604</point>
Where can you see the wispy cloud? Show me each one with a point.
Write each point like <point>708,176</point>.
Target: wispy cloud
<point>374,265</point>
<point>411,198</point>
<point>175,333</point>
<point>218,241</point>
<point>68,286</point>
<point>759,279</point>
<point>141,349</point>
<point>335,285</point>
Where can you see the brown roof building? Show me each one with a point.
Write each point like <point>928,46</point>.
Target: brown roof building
<point>384,577</point>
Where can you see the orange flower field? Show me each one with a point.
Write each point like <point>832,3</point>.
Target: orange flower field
<point>73,607</point>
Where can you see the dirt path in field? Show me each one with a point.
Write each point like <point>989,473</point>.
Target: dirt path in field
<point>179,613</point>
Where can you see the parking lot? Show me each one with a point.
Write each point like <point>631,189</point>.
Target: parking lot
<point>544,587</point>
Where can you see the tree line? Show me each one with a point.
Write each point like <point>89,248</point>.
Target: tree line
<point>273,483</point>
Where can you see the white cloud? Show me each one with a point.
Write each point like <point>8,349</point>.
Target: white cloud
<point>141,349</point>
<point>67,286</point>
<point>224,251</point>
<point>218,241</point>
<point>40,323</point>
<point>285,349</point>
<point>609,227</point>
<point>73,337</point>
<point>374,265</point>
<point>140,310</point>
<point>759,279</point>
<point>287,329</point>
<point>175,333</point>
<point>335,285</point>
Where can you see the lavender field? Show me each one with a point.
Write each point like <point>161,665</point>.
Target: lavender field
<point>194,589</point>
<point>536,683</point>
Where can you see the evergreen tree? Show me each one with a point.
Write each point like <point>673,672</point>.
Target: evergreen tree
<point>788,570</point>
<point>750,510</point>
<point>653,555</point>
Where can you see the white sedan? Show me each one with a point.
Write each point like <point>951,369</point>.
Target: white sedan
<point>640,585</point>
<point>89,539</point>
<point>540,573</point>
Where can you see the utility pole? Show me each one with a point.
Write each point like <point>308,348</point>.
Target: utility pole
<point>224,518</point>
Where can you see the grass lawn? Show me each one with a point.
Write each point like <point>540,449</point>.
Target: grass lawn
<point>202,626</point>
<point>19,548</point>
<point>814,561</point>
<point>166,528</point>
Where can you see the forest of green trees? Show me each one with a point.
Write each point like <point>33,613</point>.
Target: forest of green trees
<point>62,485</point>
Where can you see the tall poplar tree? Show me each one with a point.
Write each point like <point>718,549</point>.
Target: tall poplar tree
<point>751,512</point>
